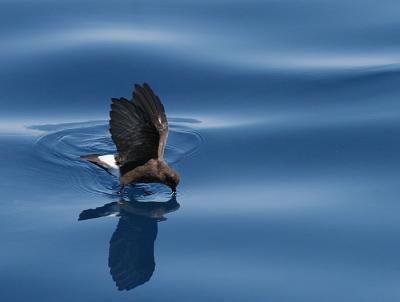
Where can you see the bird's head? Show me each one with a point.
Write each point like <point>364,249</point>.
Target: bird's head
<point>172,180</point>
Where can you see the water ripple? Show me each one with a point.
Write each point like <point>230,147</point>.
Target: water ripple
<point>60,148</point>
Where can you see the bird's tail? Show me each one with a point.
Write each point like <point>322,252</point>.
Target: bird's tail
<point>106,162</point>
<point>94,158</point>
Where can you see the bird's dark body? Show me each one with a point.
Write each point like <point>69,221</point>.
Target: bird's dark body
<point>139,129</point>
<point>153,171</point>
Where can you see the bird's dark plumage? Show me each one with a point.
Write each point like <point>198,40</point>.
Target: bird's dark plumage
<point>139,129</point>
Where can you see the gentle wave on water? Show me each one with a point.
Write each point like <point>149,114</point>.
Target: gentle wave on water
<point>293,195</point>
<point>61,147</point>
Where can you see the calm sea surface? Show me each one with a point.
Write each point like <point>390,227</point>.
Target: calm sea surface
<point>284,126</point>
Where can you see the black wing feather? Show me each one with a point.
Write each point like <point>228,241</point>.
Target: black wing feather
<point>139,128</point>
<point>149,102</point>
<point>145,98</point>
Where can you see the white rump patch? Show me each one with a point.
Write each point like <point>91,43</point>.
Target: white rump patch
<point>108,162</point>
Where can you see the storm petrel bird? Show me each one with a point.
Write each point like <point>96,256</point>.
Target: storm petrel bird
<point>139,129</point>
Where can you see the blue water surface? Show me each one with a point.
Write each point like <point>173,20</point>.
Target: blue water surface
<point>284,125</point>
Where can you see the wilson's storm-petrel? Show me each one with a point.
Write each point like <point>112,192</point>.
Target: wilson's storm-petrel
<point>139,129</point>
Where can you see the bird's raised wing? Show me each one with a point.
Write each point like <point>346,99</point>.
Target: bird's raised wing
<point>139,128</point>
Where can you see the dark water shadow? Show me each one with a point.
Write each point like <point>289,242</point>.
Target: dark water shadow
<point>131,253</point>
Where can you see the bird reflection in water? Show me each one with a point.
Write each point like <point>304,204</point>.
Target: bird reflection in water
<point>131,254</point>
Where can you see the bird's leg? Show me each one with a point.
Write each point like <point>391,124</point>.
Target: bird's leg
<point>121,190</point>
